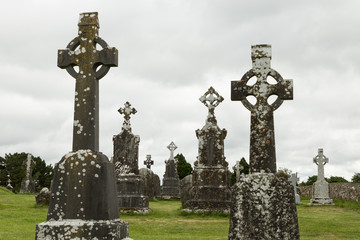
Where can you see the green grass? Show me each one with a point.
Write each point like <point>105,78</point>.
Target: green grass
<point>19,216</point>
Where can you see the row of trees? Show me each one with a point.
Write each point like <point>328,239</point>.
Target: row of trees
<point>184,168</point>
<point>11,166</point>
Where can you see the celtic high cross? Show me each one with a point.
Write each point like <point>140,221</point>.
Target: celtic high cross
<point>211,99</point>
<point>172,148</point>
<point>148,162</point>
<point>320,160</point>
<point>262,139</point>
<point>127,111</point>
<point>237,169</point>
<point>93,64</point>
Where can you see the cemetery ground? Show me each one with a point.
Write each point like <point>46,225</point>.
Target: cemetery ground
<point>19,216</point>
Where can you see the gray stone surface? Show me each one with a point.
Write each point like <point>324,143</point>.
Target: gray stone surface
<point>157,186</point>
<point>43,197</point>
<point>28,184</point>
<point>320,188</point>
<point>130,184</point>
<point>237,169</point>
<point>171,182</point>
<point>148,179</point>
<point>293,180</point>
<point>211,178</point>
<point>185,186</point>
<point>263,205</point>
<point>83,202</point>
<point>8,186</point>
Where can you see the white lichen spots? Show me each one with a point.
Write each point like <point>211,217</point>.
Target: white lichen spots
<point>84,39</point>
<point>89,113</point>
<point>81,209</point>
<point>96,175</point>
<point>94,51</point>
<point>75,188</point>
<point>92,162</point>
<point>77,51</point>
<point>98,166</point>
<point>79,195</point>
<point>84,76</point>
<point>76,93</point>
<point>84,170</point>
<point>78,105</point>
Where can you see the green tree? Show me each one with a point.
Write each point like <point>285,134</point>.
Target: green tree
<point>310,181</point>
<point>183,168</point>
<point>284,172</point>
<point>42,174</point>
<point>356,178</point>
<point>334,179</point>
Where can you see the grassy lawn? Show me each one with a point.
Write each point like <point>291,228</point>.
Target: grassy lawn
<point>19,216</point>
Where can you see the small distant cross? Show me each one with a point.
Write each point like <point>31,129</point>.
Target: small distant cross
<point>293,180</point>
<point>172,148</point>
<point>148,162</point>
<point>93,65</point>
<point>127,111</point>
<point>211,99</point>
<point>237,168</point>
<point>262,139</point>
<point>320,160</point>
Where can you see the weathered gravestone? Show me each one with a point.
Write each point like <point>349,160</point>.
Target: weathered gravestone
<point>157,186</point>
<point>148,179</point>
<point>237,169</point>
<point>27,184</point>
<point>211,178</point>
<point>43,197</point>
<point>171,182</point>
<point>8,186</point>
<point>262,205</point>
<point>293,180</point>
<point>185,187</point>
<point>83,203</point>
<point>320,189</point>
<point>129,182</point>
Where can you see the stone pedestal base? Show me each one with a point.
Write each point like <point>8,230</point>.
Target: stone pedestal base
<point>82,229</point>
<point>263,207</point>
<point>130,193</point>
<point>170,188</point>
<point>321,201</point>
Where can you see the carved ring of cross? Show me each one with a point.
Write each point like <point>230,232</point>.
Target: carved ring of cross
<point>103,69</point>
<point>211,98</point>
<point>275,89</point>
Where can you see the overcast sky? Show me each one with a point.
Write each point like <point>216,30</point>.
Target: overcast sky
<point>170,53</point>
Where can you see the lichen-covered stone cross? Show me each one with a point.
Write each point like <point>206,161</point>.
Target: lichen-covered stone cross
<point>148,162</point>
<point>172,148</point>
<point>262,139</point>
<point>93,64</point>
<point>237,168</point>
<point>211,99</point>
<point>320,160</point>
<point>127,111</point>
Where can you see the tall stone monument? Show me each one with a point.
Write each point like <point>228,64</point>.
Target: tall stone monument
<point>211,178</point>
<point>129,182</point>
<point>320,189</point>
<point>262,205</point>
<point>171,182</point>
<point>237,169</point>
<point>293,180</point>
<point>148,162</point>
<point>28,184</point>
<point>83,203</point>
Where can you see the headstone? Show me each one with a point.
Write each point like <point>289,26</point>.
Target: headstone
<point>130,185</point>
<point>185,186</point>
<point>262,204</point>
<point>320,189</point>
<point>43,197</point>
<point>157,186</point>
<point>27,184</point>
<point>8,186</point>
<point>237,169</point>
<point>293,180</point>
<point>148,179</point>
<point>83,203</point>
<point>211,178</point>
<point>148,162</point>
<point>171,183</point>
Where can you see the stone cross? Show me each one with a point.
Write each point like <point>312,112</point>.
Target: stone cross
<point>262,139</point>
<point>172,148</point>
<point>293,180</point>
<point>211,99</point>
<point>29,165</point>
<point>148,162</point>
<point>93,64</point>
<point>237,168</point>
<point>320,160</point>
<point>127,111</point>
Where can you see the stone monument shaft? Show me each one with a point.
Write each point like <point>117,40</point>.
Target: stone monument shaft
<point>82,52</point>
<point>262,139</point>
<point>320,160</point>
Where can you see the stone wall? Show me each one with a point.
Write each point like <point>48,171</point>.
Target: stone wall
<point>344,191</point>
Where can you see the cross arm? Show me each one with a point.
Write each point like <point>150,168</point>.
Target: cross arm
<point>66,58</point>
